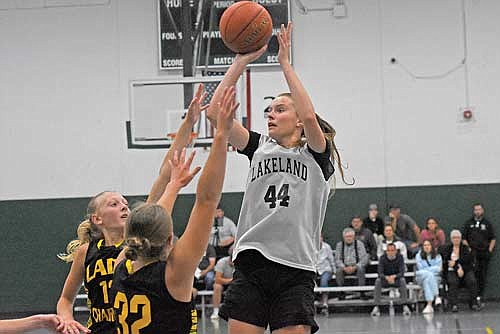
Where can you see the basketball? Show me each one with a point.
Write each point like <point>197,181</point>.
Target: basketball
<point>245,26</point>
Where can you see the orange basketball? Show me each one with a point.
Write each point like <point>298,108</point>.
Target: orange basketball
<point>245,26</point>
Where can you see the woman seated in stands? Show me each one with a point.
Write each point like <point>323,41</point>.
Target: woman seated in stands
<point>391,238</point>
<point>428,275</point>
<point>433,233</point>
<point>458,271</point>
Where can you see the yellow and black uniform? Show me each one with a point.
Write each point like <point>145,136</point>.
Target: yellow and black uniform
<point>99,263</point>
<point>143,304</point>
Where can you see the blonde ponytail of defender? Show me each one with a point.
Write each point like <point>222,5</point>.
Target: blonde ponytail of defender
<point>85,232</point>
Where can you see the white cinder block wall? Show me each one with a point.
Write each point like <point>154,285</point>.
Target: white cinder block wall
<point>64,94</point>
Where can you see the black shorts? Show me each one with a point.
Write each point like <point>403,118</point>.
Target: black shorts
<point>265,293</point>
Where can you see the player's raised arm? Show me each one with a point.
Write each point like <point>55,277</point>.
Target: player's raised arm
<point>239,135</point>
<point>303,104</point>
<point>181,175</point>
<point>182,138</point>
<point>189,249</point>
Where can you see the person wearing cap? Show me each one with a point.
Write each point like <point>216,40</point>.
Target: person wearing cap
<point>222,234</point>
<point>364,235</point>
<point>405,227</point>
<point>458,270</point>
<point>224,270</point>
<point>479,235</point>
<point>373,222</point>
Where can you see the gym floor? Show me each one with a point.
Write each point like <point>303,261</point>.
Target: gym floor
<point>465,322</point>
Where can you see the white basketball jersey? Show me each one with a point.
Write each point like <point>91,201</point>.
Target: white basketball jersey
<point>284,205</point>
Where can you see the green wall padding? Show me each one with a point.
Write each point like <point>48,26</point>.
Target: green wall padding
<point>35,231</point>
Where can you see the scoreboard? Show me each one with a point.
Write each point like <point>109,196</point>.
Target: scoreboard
<point>205,24</point>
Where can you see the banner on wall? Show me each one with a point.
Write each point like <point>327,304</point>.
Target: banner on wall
<point>208,14</point>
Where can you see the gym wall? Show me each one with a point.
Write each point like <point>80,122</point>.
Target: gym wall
<point>64,100</point>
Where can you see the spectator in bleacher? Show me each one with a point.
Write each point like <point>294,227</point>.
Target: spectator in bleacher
<point>391,238</point>
<point>366,236</point>
<point>479,235</point>
<point>350,258</point>
<point>206,267</point>
<point>224,270</point>
<point>433,233</point>
<point>405,228</point>
<point>325,268</point>
<point>428,275</point>
<point>391,270</point>
<point>458,270</point>
<point>374,222</point>
<point>223,233</point>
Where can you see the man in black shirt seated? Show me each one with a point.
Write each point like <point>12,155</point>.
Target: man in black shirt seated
<point>391,270</point>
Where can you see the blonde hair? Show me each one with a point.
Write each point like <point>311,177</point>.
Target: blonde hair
<point>329,133</point>
<point>147,232</point>
<point>85,232</point>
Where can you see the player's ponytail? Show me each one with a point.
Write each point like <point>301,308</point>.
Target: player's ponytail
<point>330,133</point>
<point>134,245</point>
<point>148,231</point>
<point>85,232</point>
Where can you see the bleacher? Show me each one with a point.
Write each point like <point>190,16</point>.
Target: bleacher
<point>413,291</point>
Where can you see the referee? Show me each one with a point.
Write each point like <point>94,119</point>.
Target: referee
<point>480,237</point>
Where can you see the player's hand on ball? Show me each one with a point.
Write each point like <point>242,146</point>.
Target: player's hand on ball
<point>247,58</point>
<point>227,108</point>
<point>285,41</point>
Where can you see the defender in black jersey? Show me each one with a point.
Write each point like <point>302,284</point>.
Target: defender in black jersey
<point>99,266</point>
<point>152,287</point>
<point>100,236</point>
<point>142,298</point>
<point>93,257</point>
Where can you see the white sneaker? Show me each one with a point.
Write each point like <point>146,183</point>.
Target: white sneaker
<point>406,310</point>
<point>438,301</point>
<point>428,310</point>
<point>375,312</point>
<point>215,316</point>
